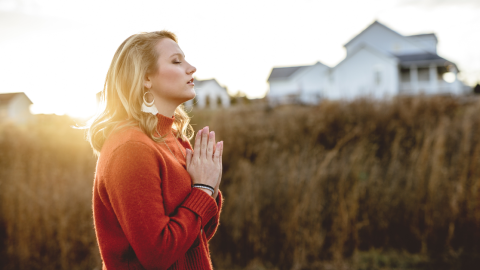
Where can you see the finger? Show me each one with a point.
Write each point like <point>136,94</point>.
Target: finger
<point>189,156</point>
<point>216,155</point>
<point>203,153</point>
<point>198,140</point>
<point>221,167</point>
<point>211,142</point>
<point>221,152</point>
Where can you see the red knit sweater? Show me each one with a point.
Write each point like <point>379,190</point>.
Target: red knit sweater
<point>146,214</point>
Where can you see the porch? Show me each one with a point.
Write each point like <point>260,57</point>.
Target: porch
<point>428,74</point>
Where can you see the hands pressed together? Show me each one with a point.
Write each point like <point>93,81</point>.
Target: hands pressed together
<point>204,164</point>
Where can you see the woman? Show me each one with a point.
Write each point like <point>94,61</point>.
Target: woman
<point>147,213</point>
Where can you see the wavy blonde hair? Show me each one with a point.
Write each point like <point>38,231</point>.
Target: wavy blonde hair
<point>122,94</point>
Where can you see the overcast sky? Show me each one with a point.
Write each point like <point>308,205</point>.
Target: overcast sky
<point>58,52</point>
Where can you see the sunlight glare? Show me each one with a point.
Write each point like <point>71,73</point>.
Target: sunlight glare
<point>449,77</point>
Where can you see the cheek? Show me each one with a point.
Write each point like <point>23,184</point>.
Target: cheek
<point>170,76</point>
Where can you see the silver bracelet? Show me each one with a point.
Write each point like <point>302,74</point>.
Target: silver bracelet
<point>211,189</point>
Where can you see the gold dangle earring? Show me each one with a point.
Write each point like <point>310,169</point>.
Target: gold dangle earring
<point>149,107</point>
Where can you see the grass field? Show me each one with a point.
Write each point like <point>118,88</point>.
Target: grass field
<point>359,185</point>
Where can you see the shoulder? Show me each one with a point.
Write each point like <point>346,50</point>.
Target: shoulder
<point>130,140</point>
<point>126,154</point>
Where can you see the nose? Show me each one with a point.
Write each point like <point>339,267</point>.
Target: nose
<point>192,70</point>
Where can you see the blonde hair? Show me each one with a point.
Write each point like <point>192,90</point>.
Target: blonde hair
<point>122,95</point>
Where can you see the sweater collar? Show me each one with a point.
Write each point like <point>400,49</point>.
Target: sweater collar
<point>165,123</point>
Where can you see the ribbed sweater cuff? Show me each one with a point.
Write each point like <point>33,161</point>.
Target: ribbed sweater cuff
<point>202,204</point>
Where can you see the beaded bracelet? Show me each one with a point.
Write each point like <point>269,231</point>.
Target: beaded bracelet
<point>204,186</point>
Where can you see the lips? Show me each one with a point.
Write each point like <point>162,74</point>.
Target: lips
<point>190,81</point>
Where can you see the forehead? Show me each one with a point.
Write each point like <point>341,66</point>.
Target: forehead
<point>167,47</point>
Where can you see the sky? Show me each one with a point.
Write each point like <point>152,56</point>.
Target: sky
<point>58,51</point>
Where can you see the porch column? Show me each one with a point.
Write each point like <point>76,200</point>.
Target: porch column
<point>456,85</point>
<point>433,79</point>
<point>414,79</point>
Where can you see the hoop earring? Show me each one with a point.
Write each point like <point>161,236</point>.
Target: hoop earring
<point>149,107</point>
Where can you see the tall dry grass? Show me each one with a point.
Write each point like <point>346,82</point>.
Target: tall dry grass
<point>46,177</point>
<point>340,185</point>
<point>305,185</point>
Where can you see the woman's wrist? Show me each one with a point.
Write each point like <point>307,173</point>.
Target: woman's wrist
<point>208,191</point>
<point>204,186</point>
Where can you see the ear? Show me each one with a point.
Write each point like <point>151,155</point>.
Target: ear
<point>147,82</point>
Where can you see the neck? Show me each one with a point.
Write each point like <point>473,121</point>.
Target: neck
<point>166,108</point>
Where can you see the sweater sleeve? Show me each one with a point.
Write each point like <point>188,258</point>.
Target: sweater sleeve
<point>212,225</point>
<point>132,181</point>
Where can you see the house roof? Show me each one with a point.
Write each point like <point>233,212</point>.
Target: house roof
<point>423,59</point>
<point>200,83</point>
<point>5,98</point>
<point>364,46</point>
<point>406,38</point>
<point>283,72</point>
<point>368,27</point>
<point>424,35</point>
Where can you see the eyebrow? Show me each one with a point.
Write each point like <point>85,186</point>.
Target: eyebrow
<point>177,54</point>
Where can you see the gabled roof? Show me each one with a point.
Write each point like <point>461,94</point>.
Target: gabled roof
<point>5,98</point>
<point>406,38</point>
<point>370,26</point>
<point>285,72</point>
<point>369,48</point>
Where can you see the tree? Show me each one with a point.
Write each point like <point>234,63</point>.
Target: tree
<point>476,89</point>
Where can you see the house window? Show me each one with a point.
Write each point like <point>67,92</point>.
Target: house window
<point>405,75</point>
<point>423,74</point>
<point>377,74</point>
<point>378,77</point>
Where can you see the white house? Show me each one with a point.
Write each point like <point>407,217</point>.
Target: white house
<point>211,92</point>
<point>380,63</point>
<point>307,84</point>
<point>15,107</point>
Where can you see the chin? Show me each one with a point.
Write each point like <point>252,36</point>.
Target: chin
<point>192,95</point>
<point>186,98</point>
